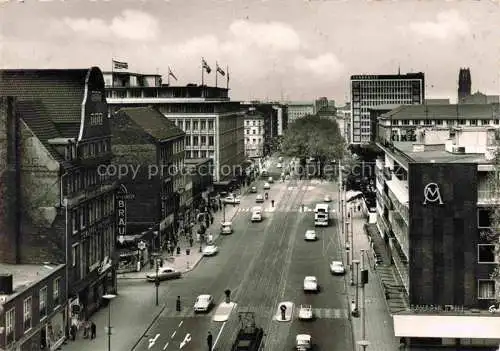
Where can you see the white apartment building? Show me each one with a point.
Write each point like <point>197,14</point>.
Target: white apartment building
<point>213,124</point>
<point>254,133</point>
<point>368,91</point>
<point>299,109</point>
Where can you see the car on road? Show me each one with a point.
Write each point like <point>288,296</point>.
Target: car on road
<point>267,186</point>
<point>305,312</point>
<point>203,303</point>
<point>226,228</point>
<point>253,189</point>
<point>310,235</point>
<point>210,250</point>
<point>337,267</point>
<point>279,165</point>
<point>270,180</point>
<point>231,199</point>
<point>259,198</point>
<point>311,284</point>
<point>265,173</point>
<point>256,214</point>
<point>303,342</point>
<point>164,273</point>
<point>327,198</point>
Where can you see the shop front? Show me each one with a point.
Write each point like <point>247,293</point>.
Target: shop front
<point>52,334</point>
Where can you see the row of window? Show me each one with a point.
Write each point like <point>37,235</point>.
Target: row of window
<point>10,315</point>
<point>381,83</point>
<point>98,246</point>
<point>439,122</point>
<point>195,124</point>
<point>254,140</point>
<point>196,140</point>
<point>254,131</point>
<point>254,123</point>
<point>92,211</point>
<point>84,178</point>
<point>200,154</point>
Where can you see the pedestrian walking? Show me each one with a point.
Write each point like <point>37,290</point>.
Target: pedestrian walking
<point>178,304</point>
<point>86,329</point>
<point>210,341</point>
<point>72,331</point>
<point>92,330</point>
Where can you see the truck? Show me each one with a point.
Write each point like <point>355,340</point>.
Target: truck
<point>249,336</point>
<point>322,215</point>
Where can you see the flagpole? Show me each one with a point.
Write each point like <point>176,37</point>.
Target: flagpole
<point>216,72</point>
<point>202,72</point>
<point>168,76</point>
<point>112,74</point>
<point>227,77</point>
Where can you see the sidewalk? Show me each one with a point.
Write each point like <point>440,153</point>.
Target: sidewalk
<point>378,321</point>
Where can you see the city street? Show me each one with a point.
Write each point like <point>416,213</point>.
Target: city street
<point>262,264</point>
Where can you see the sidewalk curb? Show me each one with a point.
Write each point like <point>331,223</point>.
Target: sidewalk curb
<point>149,327</point>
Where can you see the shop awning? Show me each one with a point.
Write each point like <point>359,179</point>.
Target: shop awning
<point>483,326</point>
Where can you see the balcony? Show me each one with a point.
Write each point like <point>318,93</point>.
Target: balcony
<point>488,197</point>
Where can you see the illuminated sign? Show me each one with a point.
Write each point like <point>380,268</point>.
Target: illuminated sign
<point>432,194</point>
<point>121,199</point>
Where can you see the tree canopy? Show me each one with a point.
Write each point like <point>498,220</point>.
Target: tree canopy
<point>313,136</point>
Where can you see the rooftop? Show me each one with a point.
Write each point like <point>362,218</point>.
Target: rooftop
<point>418,75</point>
<point>25,275</point>
<point>437,154</point>
<point>444,111</point>
<point>384,107</point>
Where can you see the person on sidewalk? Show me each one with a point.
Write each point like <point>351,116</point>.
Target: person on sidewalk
<point>92,330</point>
<point>210,341</point>
<point>72,331</point>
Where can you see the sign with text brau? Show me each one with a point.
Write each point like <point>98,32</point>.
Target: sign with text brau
<point>121,208</point>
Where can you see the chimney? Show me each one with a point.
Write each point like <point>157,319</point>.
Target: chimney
<point>9,182</point>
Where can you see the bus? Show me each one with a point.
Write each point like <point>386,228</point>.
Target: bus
<point>321,215</point>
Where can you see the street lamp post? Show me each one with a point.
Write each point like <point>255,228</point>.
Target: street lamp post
<point>352,242</point>
<point>223,211</point>
<point>356,262</point>
<point>109,297</point>
<point>363,311</point>
<point>157,279</point>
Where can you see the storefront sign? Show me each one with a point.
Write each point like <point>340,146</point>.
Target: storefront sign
<point>121,198</point>
<point>432,194</point>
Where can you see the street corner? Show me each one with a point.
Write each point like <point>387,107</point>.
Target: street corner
<point>223,311</point>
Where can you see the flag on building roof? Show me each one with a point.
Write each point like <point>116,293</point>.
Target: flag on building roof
<point>205,66</point>
<point>171,74</point>
<point>220,70</point>
<point>120,65</point>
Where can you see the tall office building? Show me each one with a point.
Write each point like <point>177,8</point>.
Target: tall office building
<point>368,91</point>
<point>464,84</point>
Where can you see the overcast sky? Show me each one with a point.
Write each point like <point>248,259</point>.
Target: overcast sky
<point>293,49</point>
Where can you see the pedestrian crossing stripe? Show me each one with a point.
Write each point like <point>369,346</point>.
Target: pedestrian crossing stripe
<point>280,209</point>
<point>188,312</point>
<point>319,313</point>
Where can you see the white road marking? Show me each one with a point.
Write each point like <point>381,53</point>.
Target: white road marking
<point>165,347</point>
<point>186,340</point>
<point>152,341</point>
<point>218,335</point>
<point>180,323</point>
<point>173,334</point>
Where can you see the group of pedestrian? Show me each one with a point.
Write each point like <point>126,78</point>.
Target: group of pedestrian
<point>89,330</point>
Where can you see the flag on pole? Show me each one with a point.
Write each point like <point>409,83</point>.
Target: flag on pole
<point>205,66</point>
<point>220,70</point>
<point>171,74</point>
<point>120,65</point>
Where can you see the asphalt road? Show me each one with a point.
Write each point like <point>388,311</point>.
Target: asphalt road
<point>262,264</point>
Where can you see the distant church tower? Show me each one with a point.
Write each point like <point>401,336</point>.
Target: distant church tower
<point>464,84</point>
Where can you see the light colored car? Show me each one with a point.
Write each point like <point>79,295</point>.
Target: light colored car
<point>327,198</point>
<point>311,284</point>
<point>257,214</point>
<point>253,189</point>
<point>164,273</point>
<point>303,342</point>
<point>267,186</point>
<point>210,250</point>
<point>231,199</point>
<point>337,267</point>
<point>279,165</point>
<point>270,180</point>
<point>226,228</point>
<point>310,235</point>
<point>203,303</point>
<point>305,312</point>
<point>259,198</point>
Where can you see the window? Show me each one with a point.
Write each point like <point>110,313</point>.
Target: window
<point>483,218</point>
<point>187,125</point>
<point>253,131</point>
<point>210,141</point>
<point>210,125</point>
<point>27,313</point>
<point>55,291</point>
<point>195,125</point>
<point>486,289</point>
<point>188,140</point>
<point>203,140</point>
<point>195,140</point>
<point>203,125</point>
<point>74,252</point>
<point>43,302</point>
<point>82,217</point>
<point>74,227</point>
<point>486,253</point>
<point>473,122</point>
<point>10,326</point>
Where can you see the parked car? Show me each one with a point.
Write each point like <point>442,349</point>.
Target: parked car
<point>210,250</point>
<point>327,198</point>
<point>310,235</point>
<point>337,267</point>
<point>164,273</point>
<point>259,198</point>
<point>267,186</point>
<point>310,284</point>
<point>270,180</point>
<point>226,228</point>
<point>253,189</point>
<point>203,303</point>
<point>305,312</point>
<point>303,342</point>
<point>231,199</point>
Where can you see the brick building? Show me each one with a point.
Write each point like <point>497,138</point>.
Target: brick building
<point>151,148</point>
<point>32,307</point>
<point>56,135</point>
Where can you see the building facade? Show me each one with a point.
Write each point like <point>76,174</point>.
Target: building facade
<point>344,120</point>
<point>480,98</point>
<point>213,124</point>
<point>153,192</point>
<point>433,212</point>
<point>201,179</point>
<point>254,133</point>
<point>299,109</point>
<point>57,137</point>
<point>32,307</point>
<point>368,91</point>
<point>282,118</point>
